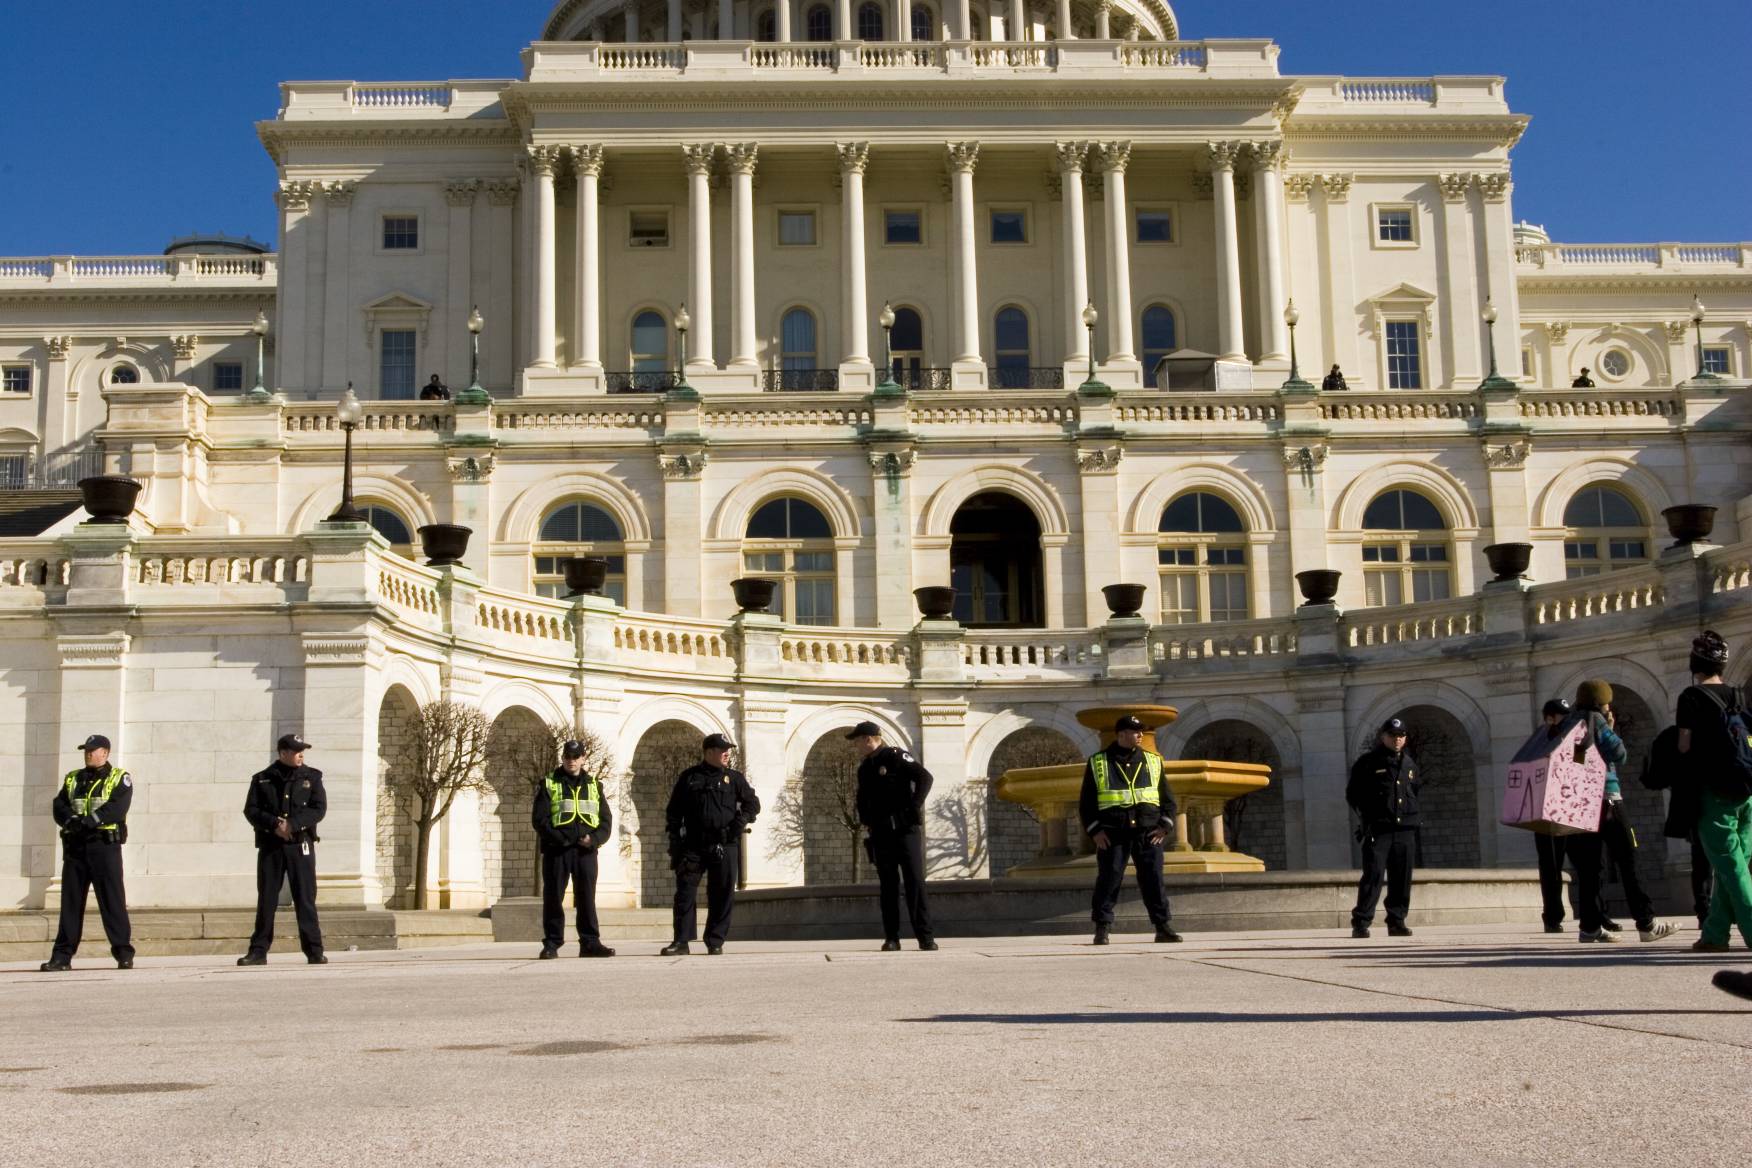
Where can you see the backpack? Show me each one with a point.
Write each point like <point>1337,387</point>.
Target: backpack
<point>1734,749</point>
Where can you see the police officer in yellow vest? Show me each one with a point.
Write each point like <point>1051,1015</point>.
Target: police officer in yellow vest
<point>92,811</point>
<point>1127,809</point>
<point>572,821</point>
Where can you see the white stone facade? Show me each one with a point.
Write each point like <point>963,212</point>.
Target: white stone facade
<point>773,188</point>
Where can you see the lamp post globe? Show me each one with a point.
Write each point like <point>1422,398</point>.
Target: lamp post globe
<point>1697,315</point>
<point>348,414</point>
<point>260,327</point>
<point>1493,380</point>
<point>1293,317</point>
<point>1091,386</point>
<point>682,391</point>
<point>888,386</point>
<point>475,394</point>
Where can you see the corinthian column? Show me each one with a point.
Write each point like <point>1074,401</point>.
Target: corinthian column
<point>963,157</point>
<point>587,166</point>
<point>1230,341</point>
<point>742,305</point>
<point>1268,161</point>
<point>853,158</point>
<point>542,162</point>
<point>1113,157</point>
<point>699,271</point>
<point>1070,168</point>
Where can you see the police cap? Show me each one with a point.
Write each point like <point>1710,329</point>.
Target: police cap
<point>95,742</point>
<point>1128,722</point>
<point>1395,727</point>
<point>864,730</point>
<point>292,742</point>
<point>717,742</point>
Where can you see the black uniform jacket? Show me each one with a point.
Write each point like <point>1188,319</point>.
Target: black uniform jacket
<point>114,809</point>
<point>892,786</point>
<point>1383,788</point>
<point>558,839</point>
<point>1145,816</point>
<point>710,805</point>
<point>294,793</point>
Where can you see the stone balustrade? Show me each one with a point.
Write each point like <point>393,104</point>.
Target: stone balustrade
<point>1598,258</point>
<point>154,271</point>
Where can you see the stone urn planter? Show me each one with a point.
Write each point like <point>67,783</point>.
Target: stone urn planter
<point>585,575</point>
<point>1509,560</point>
<point>1124,600</point>
<point>935,602</point>
<point>1318,585</point>
<point>109,498</point>
<point>1688,522</point>
<point>444,543</point>
<point>752,593</point>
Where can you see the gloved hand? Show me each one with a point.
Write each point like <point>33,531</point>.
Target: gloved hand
<point>90,822</point>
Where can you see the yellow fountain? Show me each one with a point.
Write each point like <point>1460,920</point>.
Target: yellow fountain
<point>1201,788</point>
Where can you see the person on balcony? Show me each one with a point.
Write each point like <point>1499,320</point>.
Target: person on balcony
<point>91,809</point>
<point>892,786</point>
<point>435,390</point>
<point>1383,791</point>
<point>709,811</point>
<point>1583,381</point>
<point>1334,380</point>
<point>572,821</point>
<point>1127,809</point>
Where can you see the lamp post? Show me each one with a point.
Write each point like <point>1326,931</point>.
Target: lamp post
<point>260,328</point>
<point>1697,311</point>
<point>1295,384</point>
<point>681,390</point>
<point>475,394</point>
<point>349,413</point>
<point>1493,380</point>
<point>1090,386</point>
<point>888,386</point>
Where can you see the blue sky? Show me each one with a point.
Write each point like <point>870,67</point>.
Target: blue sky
<point>125,124</point>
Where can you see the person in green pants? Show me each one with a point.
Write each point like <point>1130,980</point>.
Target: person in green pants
<point>1706,711</point>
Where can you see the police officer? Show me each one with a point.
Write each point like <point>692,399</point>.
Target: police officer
<point>1383,792</point>
<point>572,821</point>
<point>892,786</point>
<point>1126,808</point>
<point>91,809</point>
<point>284,805</point>
<point>708,812</point>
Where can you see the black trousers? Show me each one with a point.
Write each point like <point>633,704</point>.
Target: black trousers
<point>275,865</point>
<point>900,856</point>
<point>1131,844</point>
<point>1618,843</point>
<point>87,864</point>
<point>1549,849</point>
<point>720,874</point>
<point>1387,852</point>
<point>577,865</point>
<point>1586,852</point>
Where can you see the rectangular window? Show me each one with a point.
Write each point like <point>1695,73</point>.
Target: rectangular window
<point>1380,554</point>
<point>401,233</point>
<point>14,471</point>
<point>797,228</point>
<point>1528,362</point>
<point>227,377</point>
<point>814,601</point>
<point>1717,359</point>
<point>1404,357</point>
<point>1229,596</point>
<point>397,369</point>
<point>1382,588</point>
<point>15,379</point>
<point>1628,549</point>
<point>1009,227</point>
<point>1395,225</point>
<point>903,227</point>
<point>648,229</point>
<point>1179,598</point>
<point>1155,226</point>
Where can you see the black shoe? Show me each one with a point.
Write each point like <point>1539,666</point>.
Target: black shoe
<point>1554,928</point>
<point>676,949</point>
<point>55,965</point>
<point>891,946</point>
<point>1101,934</point>
<point>929,945</point>
<point>253,959</point>
<point>316,958</point>
<point>1164,933</point>
<point>1733,981</point>
<point>596,950</point>
<point>548,953</point>
<point>1394,930</point>
<point>714,950</point>
<point>124,963</point>
<point>1360,932</point>
<point>1611,926</point>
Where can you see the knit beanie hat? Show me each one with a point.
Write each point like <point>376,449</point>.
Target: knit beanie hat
<point>1709,654</point>
<point>1593,694</point>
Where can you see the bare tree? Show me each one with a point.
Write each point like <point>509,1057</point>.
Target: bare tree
<point>835,782</point>
<point>529,750</point>
<point>448,755</point>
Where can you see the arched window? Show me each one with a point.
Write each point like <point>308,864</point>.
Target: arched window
<point>869,22</point>
<point>1406,550</point>
<point>124,375</point>
<point>818,24</point>
<point>579,528</point>
<point>789,540</point>
<point>924,26</point>
<point>1010,344</point>
<point>767,27</point>
<point>1202,553</point>
<point>1604,530</point>
<point>391,527</point>
<point>797,350</point>
<point>1158,338</point>
<point>906,342</point>
<point>650,351</point>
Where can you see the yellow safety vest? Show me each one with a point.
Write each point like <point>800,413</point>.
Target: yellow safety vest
<point>96,796</point>
<point>568,805</point>
<point>1129,795</point>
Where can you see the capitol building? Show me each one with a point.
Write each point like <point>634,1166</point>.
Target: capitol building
<point>1025,299</point>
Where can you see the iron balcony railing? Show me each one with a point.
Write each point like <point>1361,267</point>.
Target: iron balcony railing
<point>1029,377</point>
<point>799,380</point>
<point>660,381</point>
<point>30,471</point>
<point>923,379</point>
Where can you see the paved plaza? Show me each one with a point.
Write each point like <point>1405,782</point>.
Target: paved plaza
<point>1464,1046</point>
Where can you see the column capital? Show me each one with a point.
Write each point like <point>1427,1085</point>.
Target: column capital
<point>340,193</point>
<point>740,156</point>
<point>854,157</point>
<point>1269,156</point>
<point>1336,186</point>
<point>586,159</point>
<point>963,156</point>
<point>1070,156</point>
<point>1203,185</point>
<point>1112,157</point>
<point>1223,155</point>
<point>58,347</point>
<point>295,195</point>
<point>1297,187</point>
<point>502,192</point>
<point>1455,186</point>
<point>185,346</point>
<point>462,192</point>
<point>543,160</point>
<point>699,157</point>
<point>1496,187</point>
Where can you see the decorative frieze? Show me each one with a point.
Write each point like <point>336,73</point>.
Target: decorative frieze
<point>332,649</point>
<point>1095,460</point>
<point>893,463</point>
<point>472,468</point>
<point>683,466</point>
<point>92,651</point>
<point>1307,459</point>
<point>1508,456</point>
<point>942,713</point>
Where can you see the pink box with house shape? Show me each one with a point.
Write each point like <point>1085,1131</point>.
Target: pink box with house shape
<point>1549,791</point>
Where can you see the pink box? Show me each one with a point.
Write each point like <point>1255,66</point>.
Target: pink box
<point>1549,791</point>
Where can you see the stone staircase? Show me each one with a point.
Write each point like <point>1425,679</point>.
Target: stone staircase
<point>27,513</point>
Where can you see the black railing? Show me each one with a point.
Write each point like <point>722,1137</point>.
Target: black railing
<point>799,380</point>
<point>1032,377</point>
<point>921,379</point>
<point>28,471</point>
<point>661,381</point>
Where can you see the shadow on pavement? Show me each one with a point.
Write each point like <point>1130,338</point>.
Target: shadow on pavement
<point>1207,1017</point>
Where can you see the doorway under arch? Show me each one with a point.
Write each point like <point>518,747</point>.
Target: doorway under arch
<point>1254,824</point>
<point>397,717</point>
<point>1448,799</point>
<point>1012,832</point>
<point>995,563</point>
<point>665,750</point>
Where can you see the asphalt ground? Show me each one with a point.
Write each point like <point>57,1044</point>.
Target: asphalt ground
<point>1461,1046</point>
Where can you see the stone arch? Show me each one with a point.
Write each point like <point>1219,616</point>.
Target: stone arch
<point>395,493</point>
<point>517,692</point>
<point>1645,488</point>
<point>1626,670</point>
<point>1013,835</point>
<point>1448,753</point>
<point>1194,717</point>
<point>398,669</point>
<point>817,809</point>
<point>661,752</point>
<point>1652,355</point>
<point>1232,486</point>
<point>839,719</point>
<point>509,851</point>
<point>396,717</point>
<point>1440,486</point>
<point>730,520</point>
<point>1640,714</point>
<point>1033,491</point>
<point>1254,824</point>
<point>1443,696</point>
<point>522,520</point>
